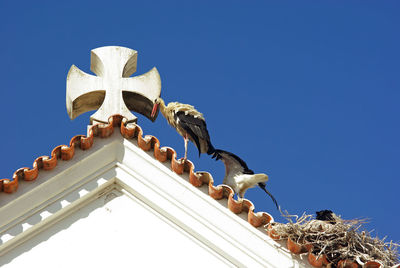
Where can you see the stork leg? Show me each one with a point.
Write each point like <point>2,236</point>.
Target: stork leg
<point>240,196</point>
<point>186,142</point>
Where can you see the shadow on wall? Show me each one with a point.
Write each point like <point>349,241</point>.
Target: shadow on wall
<point>64,224</point>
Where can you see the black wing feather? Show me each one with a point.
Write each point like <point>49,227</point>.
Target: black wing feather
<point>235,163</point>
<point>262,186</point>
<point>195,127</point>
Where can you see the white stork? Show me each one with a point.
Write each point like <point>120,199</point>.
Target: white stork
<point>239,176</point>
<point>188,122</point>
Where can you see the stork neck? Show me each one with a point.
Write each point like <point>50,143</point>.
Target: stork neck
<point>162,107</point>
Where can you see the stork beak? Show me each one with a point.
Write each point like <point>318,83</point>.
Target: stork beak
<point>154,111</point>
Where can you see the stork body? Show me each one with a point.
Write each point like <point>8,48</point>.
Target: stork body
<point>188,122</point>
<point>327,215</point>
<point>239,177</point>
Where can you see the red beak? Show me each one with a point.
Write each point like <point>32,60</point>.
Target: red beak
<point>154,111</point>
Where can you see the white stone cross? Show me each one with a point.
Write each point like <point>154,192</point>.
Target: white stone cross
<point>112,91</point>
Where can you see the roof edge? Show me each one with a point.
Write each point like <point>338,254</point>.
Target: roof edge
<point>146,143</point>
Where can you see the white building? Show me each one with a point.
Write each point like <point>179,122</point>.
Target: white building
<point>115,204</point>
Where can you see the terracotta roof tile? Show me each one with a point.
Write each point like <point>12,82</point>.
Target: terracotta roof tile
<point>321,260</point>
<point>162,154</point>
<point>146,143</point>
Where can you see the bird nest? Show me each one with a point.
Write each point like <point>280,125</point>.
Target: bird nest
<point>337,240</point>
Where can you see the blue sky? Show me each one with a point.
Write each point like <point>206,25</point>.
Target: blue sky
<point>305,91</point>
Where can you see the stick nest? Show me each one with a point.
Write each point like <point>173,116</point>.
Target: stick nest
<point>341,240</point>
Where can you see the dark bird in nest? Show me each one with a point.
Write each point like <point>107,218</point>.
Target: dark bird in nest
<point>327,215</point>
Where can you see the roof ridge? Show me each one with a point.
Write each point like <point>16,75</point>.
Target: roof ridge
<point>146,143</point>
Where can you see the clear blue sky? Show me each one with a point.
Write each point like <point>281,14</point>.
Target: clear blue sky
<point>305,91</point>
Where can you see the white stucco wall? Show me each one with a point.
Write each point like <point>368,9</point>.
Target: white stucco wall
<point>123,232</point>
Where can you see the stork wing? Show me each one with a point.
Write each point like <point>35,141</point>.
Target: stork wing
<point>233,163</point>
<point>196,127</point>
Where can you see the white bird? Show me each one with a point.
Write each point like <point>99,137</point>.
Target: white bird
<point>188,122</point>
<point>239,177</point>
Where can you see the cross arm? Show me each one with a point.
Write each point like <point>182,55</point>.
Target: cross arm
<point>147,85</point>
<point>84,92</point>
<point>140,92</point>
